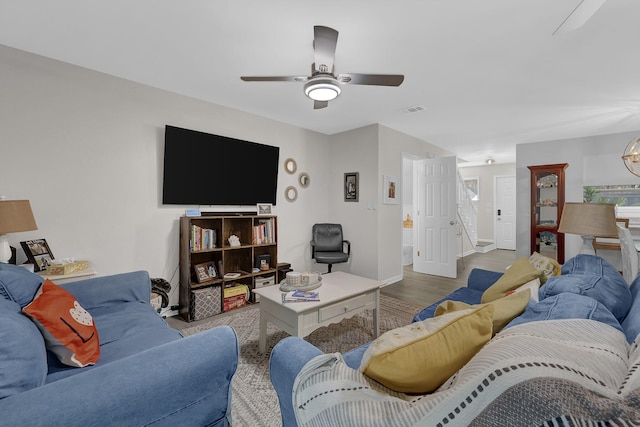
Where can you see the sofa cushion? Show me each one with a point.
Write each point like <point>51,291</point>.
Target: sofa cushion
<point>68,329</point>
<point>468,295</point>
<point>18,284</point>
<point>566,306</point>
<point>631,323</point>
<point>520,272</point>
<point>504,309</point>
<point>419,357</point>
<point>125,328</point>
<point>23,359</point>
<point>592,276</point>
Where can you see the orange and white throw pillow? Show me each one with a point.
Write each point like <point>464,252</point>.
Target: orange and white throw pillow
<point>67,328</point>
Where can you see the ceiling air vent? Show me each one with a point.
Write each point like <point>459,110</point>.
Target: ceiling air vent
<point>415,109</point>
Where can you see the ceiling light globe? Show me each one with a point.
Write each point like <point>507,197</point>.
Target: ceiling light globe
<point>322,89</point>
<point>631,156</point>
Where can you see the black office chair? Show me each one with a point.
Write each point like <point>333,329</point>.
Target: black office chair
<point>327,244</point>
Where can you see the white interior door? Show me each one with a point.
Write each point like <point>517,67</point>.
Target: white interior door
<point>506,212</point>
<point>436,217</point>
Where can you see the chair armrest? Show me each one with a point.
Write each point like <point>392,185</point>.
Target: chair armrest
<point>313,249</point>
<point>99,291</point>
<point>480,279</point>
<point>183,382</point>
<point>286,360</point>
<point>348,243</point>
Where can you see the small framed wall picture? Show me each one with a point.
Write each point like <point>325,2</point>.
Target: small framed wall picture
<point>206,271</point>
<point>38,253</point>
<point>351,186</point>
<point>472,185</point>
<point>264,209</point>
<point>391,190</point>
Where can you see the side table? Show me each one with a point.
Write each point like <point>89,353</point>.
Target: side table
<point>71,277</point>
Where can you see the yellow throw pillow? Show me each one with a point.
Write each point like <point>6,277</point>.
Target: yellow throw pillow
<point>505,309</point>
<point>419,357</point>
<point>517,275</point>
<point>549,266</point>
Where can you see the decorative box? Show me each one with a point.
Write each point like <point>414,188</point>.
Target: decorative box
<point>69,268</point>
<point>235,302</point>
<point>261,282</point>
<point>204,302</point>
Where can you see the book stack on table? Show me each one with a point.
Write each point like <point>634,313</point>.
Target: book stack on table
<point>300,296</point>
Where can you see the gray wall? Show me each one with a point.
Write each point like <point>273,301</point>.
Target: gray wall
<point>87,149</point>
<point>593,160</point>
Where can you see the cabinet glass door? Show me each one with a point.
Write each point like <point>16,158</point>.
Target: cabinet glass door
<point>547,200</point>
<point>547,203</point>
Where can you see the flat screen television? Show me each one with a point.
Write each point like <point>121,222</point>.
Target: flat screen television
<point>206,169</point>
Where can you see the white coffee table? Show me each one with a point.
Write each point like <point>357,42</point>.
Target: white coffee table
<point>342,295</point>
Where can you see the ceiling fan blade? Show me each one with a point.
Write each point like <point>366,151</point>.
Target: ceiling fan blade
<point>320,104</point>
<point>324,45</point>
<point>579,16</point>
<point>372,79</point>
<point>274,78</point>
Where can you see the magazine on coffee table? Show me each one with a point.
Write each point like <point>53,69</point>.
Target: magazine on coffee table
<point>300,296</point>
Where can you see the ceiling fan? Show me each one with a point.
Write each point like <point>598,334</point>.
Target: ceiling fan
<point>580,15</point>
<point>323,84</point>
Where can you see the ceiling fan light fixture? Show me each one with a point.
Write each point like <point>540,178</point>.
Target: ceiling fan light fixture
<point>322,89</point>
<point>631,156</point>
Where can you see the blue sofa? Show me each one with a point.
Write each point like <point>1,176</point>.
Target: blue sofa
<point>147,372</point>
<point>588,290</point>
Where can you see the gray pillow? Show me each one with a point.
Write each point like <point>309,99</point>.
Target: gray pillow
<point>23,356</point>
<point>594,277</point>
<point>18,284</point>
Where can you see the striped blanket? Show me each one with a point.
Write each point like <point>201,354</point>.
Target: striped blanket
<point>556,373</point>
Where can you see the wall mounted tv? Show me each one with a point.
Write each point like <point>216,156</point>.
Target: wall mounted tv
<point>205,169</point>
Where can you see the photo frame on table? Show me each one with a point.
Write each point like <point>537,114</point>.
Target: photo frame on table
<point>38,253</point>
<point>391,190</point>
<point>264,208</point>
<point>351,186</point>
<point>206,271</point>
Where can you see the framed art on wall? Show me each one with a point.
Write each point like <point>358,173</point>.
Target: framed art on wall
<point>38,253</point>
<point>391,190</point>
<point>351,186</point>
<point>473,187</point>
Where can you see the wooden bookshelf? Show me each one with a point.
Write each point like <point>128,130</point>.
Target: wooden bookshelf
<point>258,238</point>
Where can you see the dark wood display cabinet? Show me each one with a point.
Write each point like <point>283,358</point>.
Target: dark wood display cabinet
<point>547,201</point>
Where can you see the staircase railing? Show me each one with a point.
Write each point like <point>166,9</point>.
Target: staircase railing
<point>467,212</point>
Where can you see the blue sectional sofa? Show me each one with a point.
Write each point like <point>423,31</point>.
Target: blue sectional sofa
<point>571,358</point>
<point>147,373</point>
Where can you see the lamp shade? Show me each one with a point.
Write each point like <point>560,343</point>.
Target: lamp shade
<point>589,219</point>
<point>16,215</point>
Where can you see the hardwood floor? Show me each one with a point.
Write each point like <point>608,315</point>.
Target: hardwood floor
<point>425,289</point>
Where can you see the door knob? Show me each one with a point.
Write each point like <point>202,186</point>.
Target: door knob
<point>452,222</point>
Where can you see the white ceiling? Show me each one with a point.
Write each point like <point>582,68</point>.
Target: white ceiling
<point>488,73</point>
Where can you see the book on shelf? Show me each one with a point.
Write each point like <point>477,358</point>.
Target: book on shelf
<point>202,238</point>
<point>300,296</point>
<point>264,232</point>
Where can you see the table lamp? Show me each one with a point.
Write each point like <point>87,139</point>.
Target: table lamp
<point>589,220</point>
<point>15,216</point>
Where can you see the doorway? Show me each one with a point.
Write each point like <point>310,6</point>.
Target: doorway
<point>505,212</point>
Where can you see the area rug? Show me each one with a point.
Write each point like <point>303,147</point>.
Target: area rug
<point>254,401</point>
